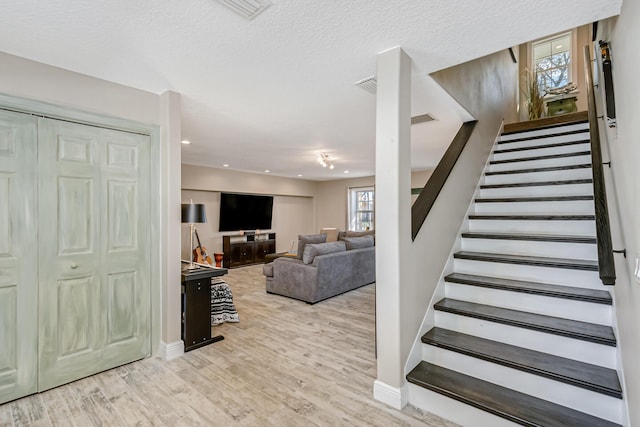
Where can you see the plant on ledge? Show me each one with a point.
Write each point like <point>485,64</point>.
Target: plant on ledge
<point>533,97</point>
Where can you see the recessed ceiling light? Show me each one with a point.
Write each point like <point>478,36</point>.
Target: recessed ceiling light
<point>346,171</point>
<point>299,175</point>
<point>186,142</point>
<point>225,165</point>
<point>267,171</point>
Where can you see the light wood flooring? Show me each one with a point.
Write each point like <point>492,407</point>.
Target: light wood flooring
<point>286,363</point>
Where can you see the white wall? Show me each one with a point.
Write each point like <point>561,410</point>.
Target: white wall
<point>486,88</point>
<point>21,77</point>
<point>622,144</point>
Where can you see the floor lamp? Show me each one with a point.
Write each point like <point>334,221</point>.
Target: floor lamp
<point>192,214</point>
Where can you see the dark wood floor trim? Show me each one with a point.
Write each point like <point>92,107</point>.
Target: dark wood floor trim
<point>537,183</point>
<point>571,264</point>
<point>536,158</point>
<point>536,170</point>
<point>531,237</point>
<point>509,404</point>
<point>540,147</point>
<point>535,288</point>
<point>545,123</point>
<point>533,217</point>
<point>584,331</point>
<point>547,135</point>
<point>534,199</point>
<point>579,374</point>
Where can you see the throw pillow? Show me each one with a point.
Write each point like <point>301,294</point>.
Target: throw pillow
<point>358,242</point>
<point>360,233</point>
<point>312,250</point>
<point>304,239</point>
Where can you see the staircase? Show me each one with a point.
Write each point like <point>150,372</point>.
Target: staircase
<point>524,331</point>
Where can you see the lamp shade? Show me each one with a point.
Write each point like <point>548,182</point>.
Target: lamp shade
<point>193,213</point>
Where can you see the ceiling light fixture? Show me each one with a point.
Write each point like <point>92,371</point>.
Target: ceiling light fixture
<point>323,159</point>
<point>186,142</point>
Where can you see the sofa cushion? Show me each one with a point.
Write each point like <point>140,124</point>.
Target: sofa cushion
<point>312,250</point>
<point>267,269</point>
<point>304,239</point>
<point>343,234</point>
<point>358,242</point>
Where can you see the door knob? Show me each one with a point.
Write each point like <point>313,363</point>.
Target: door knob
<point>74,266</point>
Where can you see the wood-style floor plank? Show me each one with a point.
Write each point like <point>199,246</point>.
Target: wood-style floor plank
<point>286,363</point>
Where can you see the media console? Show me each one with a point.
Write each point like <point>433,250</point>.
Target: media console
<point>247,249</point>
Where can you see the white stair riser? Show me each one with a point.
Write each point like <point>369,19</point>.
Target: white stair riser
<point>571,207</point>
<point>538,304</point>
<point>561,161</point>
<point>586,251</point>
<point>580,399</point>
<point>560,175</point>
<point>451,409</point>
<point>542,151</point>
<point>539,191</point>
<point>536,142</point>
<point>571,228</point>
<point>559,276</point>
<point>548,131</point>
<point>583,351</point>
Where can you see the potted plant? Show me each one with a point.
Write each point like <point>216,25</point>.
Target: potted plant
<point>533,97</point>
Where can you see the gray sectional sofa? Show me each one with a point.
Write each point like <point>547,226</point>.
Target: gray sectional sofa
<point>323,270</point>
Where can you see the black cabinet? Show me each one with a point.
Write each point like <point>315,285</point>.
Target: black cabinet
<point>246,250</point>
<point>196,307</point>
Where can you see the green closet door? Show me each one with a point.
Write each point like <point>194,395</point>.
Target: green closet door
<point>94,296</point>
<point>18,256</point>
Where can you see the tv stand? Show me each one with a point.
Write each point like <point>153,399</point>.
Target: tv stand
<point>248,249</point>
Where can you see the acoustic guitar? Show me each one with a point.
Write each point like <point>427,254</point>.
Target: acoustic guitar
<point>200,253</point>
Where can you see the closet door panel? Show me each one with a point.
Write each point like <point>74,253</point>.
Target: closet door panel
<point>94,286</point>
<point>18,256</point>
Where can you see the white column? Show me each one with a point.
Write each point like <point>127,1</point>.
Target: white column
<point>393,218</point>
<point>171,345</point>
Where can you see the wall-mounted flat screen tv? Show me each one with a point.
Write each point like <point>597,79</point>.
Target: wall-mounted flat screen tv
<point>245,212</point>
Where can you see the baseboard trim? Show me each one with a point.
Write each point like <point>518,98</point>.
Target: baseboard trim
<point>171,350</point>
<point>392,396</point>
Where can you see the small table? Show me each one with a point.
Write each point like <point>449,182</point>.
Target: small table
<point>196,306</point>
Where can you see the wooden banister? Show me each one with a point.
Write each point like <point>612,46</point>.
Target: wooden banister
<point>606,264</point>
<point>429,194</point>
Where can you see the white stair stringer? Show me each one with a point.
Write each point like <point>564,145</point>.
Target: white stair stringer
<point>557,229</point>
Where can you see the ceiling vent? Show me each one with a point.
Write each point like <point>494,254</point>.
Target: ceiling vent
<point>248,9</point>
<point>370,84</point>
<point>424,118</point>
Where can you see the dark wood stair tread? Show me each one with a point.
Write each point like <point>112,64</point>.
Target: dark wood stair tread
<point>533,199</point>
<point>536,170</point>
<point>545,289</point>
<point>553,122</point>
<point>548,135</point>
<point>538,261</point>
<point>538,183</point>
<point>584,331</point>
<point>531,237</point>
<point>534,217</point>
<point>535,158</point>
<point>580,374</point>
<point>542,146</point>
<point>509,404</point>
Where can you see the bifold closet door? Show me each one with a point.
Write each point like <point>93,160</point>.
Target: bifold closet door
<point>94,291</point>
<point>18,256</point>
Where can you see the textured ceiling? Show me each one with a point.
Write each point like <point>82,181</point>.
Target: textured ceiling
<point>272,92</point>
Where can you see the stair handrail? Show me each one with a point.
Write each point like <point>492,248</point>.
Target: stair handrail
<point>429,193</point>
<point>606,264</point>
